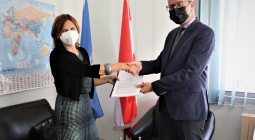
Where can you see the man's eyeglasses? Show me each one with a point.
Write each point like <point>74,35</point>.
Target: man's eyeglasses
<point>178,4</point>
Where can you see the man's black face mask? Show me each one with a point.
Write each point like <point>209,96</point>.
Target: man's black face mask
<point>179,15</point>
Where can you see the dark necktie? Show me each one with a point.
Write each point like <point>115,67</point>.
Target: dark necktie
<point>177,38</point>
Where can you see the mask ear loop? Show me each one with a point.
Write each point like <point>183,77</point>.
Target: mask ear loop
<point>190,10</point>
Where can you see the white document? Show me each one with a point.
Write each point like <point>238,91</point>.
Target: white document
<point>127,85</point>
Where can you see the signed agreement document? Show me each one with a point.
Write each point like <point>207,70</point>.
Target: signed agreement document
<point>127,85</point>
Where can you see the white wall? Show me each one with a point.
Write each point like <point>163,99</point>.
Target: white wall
<point>48,93</point>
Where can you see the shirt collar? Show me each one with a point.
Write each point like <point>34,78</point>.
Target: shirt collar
<point>187,25</point>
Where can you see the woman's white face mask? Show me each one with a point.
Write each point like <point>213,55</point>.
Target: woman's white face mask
<point>69,38</point>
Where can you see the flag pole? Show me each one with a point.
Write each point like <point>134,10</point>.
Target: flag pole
<point>124,134</point>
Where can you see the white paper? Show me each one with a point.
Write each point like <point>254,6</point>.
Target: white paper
<point>127,85</point>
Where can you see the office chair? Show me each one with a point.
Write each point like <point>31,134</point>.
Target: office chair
<point>148,126</point>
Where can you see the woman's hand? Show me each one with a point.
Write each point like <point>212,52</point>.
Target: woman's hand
<point>107,79</point>
<point>132,69</point>
<point>112,79</point>
<point>138,64</point>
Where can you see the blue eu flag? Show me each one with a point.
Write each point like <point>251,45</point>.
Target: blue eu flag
<point>86,43</point>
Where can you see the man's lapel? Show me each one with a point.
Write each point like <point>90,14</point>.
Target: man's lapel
<point>184,38</point>
<point>168,47</point>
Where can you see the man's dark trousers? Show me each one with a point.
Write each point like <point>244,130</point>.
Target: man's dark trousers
<point>171,129</point>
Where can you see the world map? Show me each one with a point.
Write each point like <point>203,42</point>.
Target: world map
<point>25,44</point>
<point>25,41</point>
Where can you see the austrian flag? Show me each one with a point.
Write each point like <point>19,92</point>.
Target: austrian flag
<point>125,109</point>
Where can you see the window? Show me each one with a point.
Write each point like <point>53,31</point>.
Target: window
<point>233,61</point>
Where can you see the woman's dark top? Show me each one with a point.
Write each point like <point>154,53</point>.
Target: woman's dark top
<point>68,71</point>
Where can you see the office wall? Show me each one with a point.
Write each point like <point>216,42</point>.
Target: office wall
<point>151,24</point>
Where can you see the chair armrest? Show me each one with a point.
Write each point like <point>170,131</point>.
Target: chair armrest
<point>144,127</point>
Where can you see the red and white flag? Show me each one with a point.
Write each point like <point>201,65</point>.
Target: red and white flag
<point>125,109</point>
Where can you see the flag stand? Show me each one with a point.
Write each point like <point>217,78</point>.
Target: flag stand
<point>124,134</point>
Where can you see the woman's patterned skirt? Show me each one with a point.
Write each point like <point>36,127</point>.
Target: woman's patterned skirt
<point>75,120</point>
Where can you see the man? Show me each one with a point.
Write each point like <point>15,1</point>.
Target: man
<point>183,65</point>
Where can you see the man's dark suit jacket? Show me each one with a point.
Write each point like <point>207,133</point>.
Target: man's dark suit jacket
<point>183,79</point>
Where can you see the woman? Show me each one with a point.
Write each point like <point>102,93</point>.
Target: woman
<point>75,79</point>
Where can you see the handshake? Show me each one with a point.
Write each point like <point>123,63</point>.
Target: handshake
<point>134,67</point>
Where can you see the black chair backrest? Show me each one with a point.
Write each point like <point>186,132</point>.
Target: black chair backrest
<point>156,120</point>
<point>209,126</point>
<point>208,129</point>
<point>17,121</point>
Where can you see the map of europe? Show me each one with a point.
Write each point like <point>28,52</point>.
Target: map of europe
<point>25,37</point>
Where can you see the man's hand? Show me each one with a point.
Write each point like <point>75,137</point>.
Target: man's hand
<point>138,64</point>
<point>132,69</point>
<point>145,87</point>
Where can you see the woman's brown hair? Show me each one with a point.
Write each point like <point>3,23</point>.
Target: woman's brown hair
<point>58,26</point>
